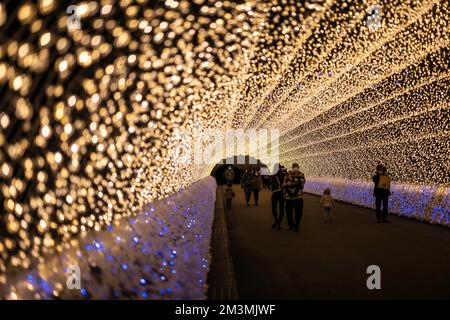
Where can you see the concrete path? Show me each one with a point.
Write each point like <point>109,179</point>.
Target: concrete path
<point>221,276</point>
<point>329,260</point>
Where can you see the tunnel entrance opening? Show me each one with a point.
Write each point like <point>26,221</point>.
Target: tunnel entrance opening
<point>239,164</point>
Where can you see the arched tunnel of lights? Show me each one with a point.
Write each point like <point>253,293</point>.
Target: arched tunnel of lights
<point>88,115</point>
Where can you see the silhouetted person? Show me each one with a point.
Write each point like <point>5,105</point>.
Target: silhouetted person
<point>381,192</point>
<point>277,198</point>
<point>265,181</point>
<point>293,194</point>
<point>229,195</point>
<point>247,185</point>
<point>229,175</point>
<point>265,177</point>
<point>256,186</point>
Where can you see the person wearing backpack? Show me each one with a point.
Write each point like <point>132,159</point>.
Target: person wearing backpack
<point>381,192</point>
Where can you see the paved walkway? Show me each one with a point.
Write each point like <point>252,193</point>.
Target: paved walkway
<point>221,276</point>
<point>329,260</point>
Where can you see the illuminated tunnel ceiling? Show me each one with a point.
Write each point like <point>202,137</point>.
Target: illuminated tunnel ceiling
<point>87,115</point>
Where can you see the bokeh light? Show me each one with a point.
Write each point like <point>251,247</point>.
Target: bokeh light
<point>88,114</point>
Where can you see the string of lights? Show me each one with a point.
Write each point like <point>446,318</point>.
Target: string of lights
<point>92,92</point>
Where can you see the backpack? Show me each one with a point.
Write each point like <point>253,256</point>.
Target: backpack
<point>384,182</point>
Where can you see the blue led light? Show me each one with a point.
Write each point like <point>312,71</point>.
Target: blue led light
<point>134,249</point>
<point>46,286</point>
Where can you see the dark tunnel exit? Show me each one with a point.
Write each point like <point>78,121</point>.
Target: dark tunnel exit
<point>250,163</point>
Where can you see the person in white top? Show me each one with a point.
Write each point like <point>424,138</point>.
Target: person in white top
<point>327,203</point>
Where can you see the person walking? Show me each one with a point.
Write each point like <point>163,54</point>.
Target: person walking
<point>229,175</point>
<point>293,195</point>
<point>256,186</point>
<point>247,185</point>
<point>265,177</point>
<point>264,181</point>
<point>381,192</point>
<point>229,195</point>
<point>327,203</point>
<point>277,198</point>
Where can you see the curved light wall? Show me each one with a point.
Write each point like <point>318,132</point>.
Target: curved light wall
<point>88,111</point>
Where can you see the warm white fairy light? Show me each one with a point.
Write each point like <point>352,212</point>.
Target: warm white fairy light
<point>80,149</point>
<point>88,114</point>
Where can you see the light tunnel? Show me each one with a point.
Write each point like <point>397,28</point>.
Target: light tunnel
<point>96,96</point>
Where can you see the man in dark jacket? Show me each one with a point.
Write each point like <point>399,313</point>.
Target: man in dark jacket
<point>276,184</point>
<point>381,192</point>
<point>293,195</point>
<point>247,185</point>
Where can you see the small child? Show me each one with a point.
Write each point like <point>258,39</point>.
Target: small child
<point>326,203</point>
<point>229,195</point>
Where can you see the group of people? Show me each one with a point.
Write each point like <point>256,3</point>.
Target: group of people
<point>287,194</point>
<point>251,182</point>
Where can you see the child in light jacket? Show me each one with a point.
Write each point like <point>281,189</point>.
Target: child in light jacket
<point>327,203</point>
